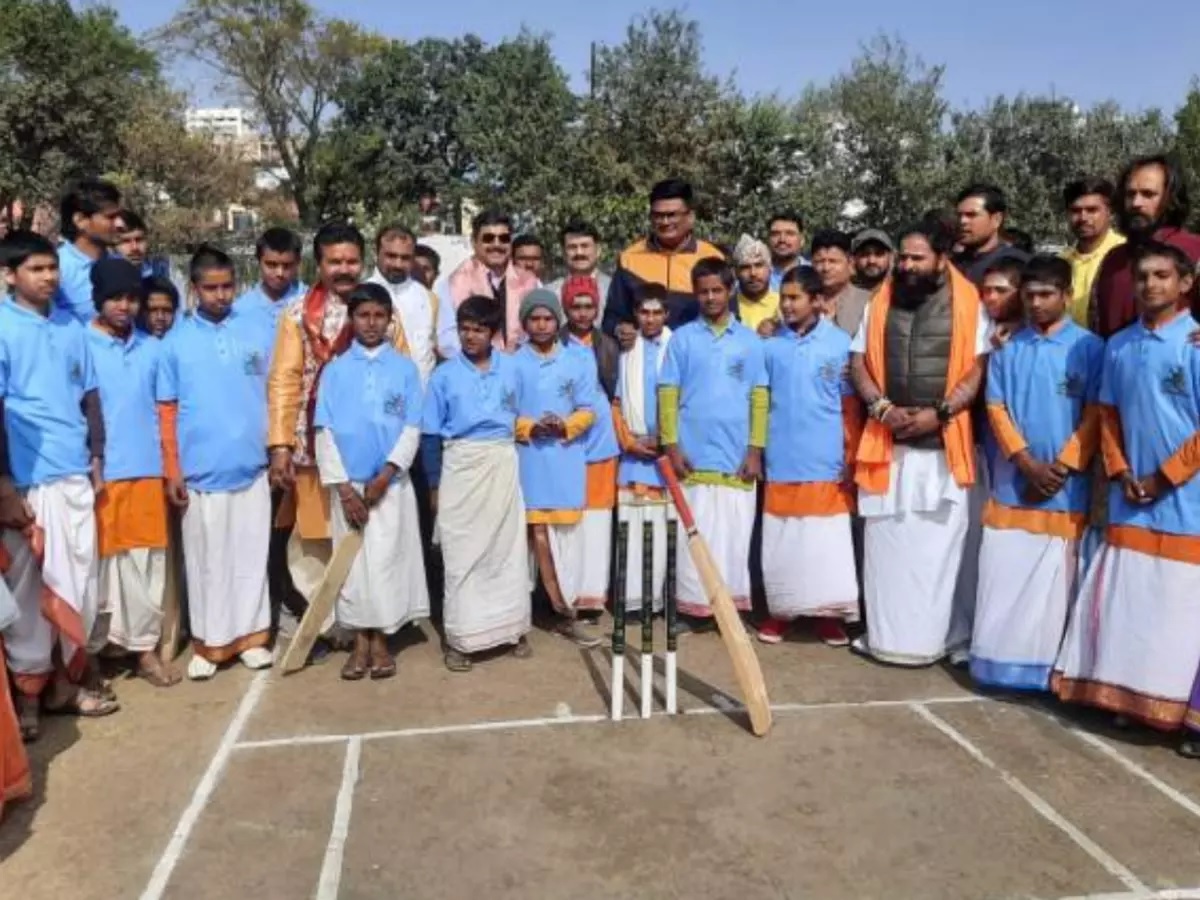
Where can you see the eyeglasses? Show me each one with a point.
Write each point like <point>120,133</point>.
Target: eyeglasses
<point>493,238</point>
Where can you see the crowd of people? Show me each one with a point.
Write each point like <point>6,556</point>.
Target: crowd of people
<point>983,454</point>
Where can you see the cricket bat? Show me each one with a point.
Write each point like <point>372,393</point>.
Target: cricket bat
<point>322,602</point>
<point>168,645</point>
<point>737,643</point>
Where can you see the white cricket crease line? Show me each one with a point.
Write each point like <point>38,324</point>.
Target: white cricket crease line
<point>547,721</point>
<point>204,789</point>
<point>1170,894</point>
<point>330,881</point>
<point>1043,808</point>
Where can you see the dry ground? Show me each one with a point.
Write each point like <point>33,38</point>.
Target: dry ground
<point>510,782</point>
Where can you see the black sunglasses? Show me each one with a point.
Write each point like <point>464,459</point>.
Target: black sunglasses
<point>493,238</point>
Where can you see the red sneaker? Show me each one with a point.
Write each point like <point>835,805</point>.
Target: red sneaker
<point>773,630</point>
<point>832,632</point>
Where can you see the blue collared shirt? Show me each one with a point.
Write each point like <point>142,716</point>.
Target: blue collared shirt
<point>464,402</point>
<point>45,369</point>
<point>256,302</point>
<point>127,373</point>
<point>367,400</point>
<point>75,283</point>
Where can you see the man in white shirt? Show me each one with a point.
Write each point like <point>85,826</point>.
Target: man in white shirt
<point>415,304</point>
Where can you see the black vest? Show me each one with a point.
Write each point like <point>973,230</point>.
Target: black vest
<point>917,346</point>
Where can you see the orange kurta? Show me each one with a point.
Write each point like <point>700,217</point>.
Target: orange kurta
<point>16,782</point>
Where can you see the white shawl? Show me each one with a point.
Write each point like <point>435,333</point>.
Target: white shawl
<point>633,378</point>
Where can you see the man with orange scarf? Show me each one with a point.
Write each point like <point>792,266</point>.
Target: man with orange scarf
<point>312,331</point>
<point>917,362</point>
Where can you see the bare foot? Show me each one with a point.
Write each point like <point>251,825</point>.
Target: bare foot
<point>383,665</point>
<point>29,717</point>
<point>151,668</point>
<point>356,665</point>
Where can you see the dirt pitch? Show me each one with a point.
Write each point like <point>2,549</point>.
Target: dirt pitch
<point>510,782</point>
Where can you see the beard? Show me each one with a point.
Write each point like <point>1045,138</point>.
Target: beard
<point>1136,225</point>
<point>914,288</point>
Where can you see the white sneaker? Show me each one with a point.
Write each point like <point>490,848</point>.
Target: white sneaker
<point>200,669</point>
<point>256,658</point>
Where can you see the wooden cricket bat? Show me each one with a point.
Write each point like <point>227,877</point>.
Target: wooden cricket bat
<point>168,644</point>
<point>322,602</point>
<point>737,643</point>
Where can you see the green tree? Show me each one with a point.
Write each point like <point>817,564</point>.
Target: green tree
<point>67,81</point>
<point>285,62</point>
<point>1187,137</point>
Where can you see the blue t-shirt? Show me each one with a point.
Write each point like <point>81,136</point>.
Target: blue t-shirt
<point>464,402</point>
<point>127,373</point>
<point>255,302</point>
<point>45,369</point>
<point>367,401</point>
<point>1153,379</point>
<point>633,470</point>
<point>808,376</point>
<point>217,372</point>
<point>715,374</point>
<point>1044,381</point>
<point>554,472</point>
<point>75,283</point>
<point>600,442</point>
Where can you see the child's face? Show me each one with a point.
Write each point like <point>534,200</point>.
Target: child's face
<point>1000,297</point>
<point>651,319</point>
<point>1159,285</point>
<point>581,313</point>
<point>712,295</point>
<point>1045,304</point>
<point>214,292</point>
<point>118,312</point>
<point>542,327</point>
<point>160,314</point>
<point>370,323</point>
<point>475,338</point>
<point>795,305</point>
<point>35,280</point>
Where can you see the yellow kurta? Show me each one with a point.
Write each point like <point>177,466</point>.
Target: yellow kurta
<point>1084,268</point>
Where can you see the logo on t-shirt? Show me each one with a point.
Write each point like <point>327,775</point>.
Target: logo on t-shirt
<point>567,390</point>
<point>831,371</point>
<point>1175,382</point>
<point>75,373</point>
<point>394,405</point>
<point>736,368</point>
<point>254,363</point>
<point>1072,385</point>
<point>509,401</point>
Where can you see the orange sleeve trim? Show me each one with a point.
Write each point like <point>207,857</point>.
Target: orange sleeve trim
<point>1008,436</point>
<point>168,436</point>
<point>602,484</point>
<point>811,498</point>
<point>578,422</point>
<point>1179,547</point>
<point>524,429</point>
<point>1051,522</point>
<point>1081,446</point>
<point>553,516</point>
<point>1184,462</point>
<point>1112,443</point>
<point>625,439</point>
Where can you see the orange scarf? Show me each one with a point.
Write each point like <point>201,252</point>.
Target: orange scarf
<point>873,471</point>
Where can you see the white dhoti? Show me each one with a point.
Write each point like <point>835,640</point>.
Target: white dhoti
<point>132,584</point>
<point>1026,588</point>
<point>386,588</point>
<point>481,522</point>
<point>913,547</point>
<point>226,538</point>
<point>52,577</point>
<point>568,549</point>
<point>1133,645</point>
<point>725,517</point>
<point>966,589</point>
<point>808,566</point>
<point>597,557</point>
<point>636,516</point>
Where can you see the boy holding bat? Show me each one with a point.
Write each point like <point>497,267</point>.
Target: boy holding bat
<point>814,425</point>
<point>368,420</point>
<point>713,399</point>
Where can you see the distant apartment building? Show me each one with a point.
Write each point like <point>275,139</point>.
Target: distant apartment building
<point>232,126</point>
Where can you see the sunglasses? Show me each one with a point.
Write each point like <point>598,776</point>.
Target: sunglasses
<point>493,238</point>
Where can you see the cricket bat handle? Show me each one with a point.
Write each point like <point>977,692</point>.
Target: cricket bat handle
<point>676,491</point>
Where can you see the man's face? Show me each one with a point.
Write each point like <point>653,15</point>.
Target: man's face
<point>529,258</point>
<point>395,258</point>
<point>118,312</point>
<point>1145,198</point>
<point>1089,217</point>
<point>834,268</point>
<point>340,268</point>
<point>917,266</point>
<point>423,271</point>
<point>795,305</point>
<point>474,338</point>
<point>1159,286</point>
<point>100,227</point>
<point>214,292</point>
<point>581,252</point>
<point>671,222</point>
<point>160,314</point>
<point>581,313</point>
<point>755,277</point>
<point>786,239</point>
<point>1045,304</point>
<point>872,262</point>
<point>542,327</point>
<point>977,226</point>
<point>492,246</point>
<point>35,280</point>
<point>370,323</point>
<point>712,295</point>
<point>133,245</point>
<point>651,319</point>
<point>999,294</point>
<point>278,271</point>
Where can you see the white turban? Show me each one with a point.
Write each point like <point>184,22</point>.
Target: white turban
<point>750,250</point>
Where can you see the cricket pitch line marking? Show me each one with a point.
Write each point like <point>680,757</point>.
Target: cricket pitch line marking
<point>330,881</point>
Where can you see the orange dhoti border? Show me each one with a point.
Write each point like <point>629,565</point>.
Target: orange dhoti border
<point>16,782</point>
<point>597,533</point>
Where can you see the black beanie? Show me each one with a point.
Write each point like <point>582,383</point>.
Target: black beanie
<point>112,276</point>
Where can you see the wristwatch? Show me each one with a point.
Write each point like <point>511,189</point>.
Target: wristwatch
<point>944,414</point>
